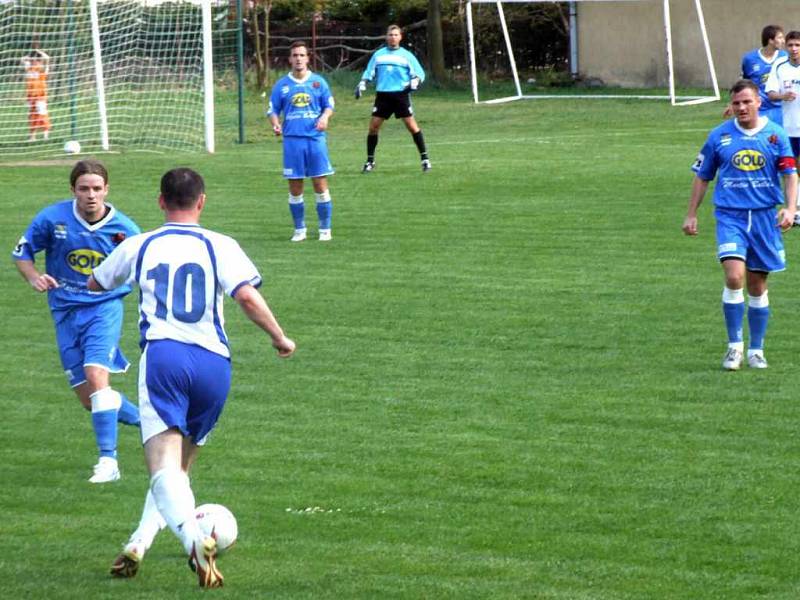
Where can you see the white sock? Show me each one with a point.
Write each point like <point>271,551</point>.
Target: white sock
<point>175,501</point>
<point>150,524</point>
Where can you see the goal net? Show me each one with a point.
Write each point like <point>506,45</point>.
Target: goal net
<point>501,47</point>
<point>109,74</point>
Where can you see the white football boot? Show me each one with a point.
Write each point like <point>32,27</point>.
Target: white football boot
<point>756,360</point>
<point>299,235</point>
<point>732,360</point>
<point>324,235</point>
<point>203,561</point>
<point>105,471</point>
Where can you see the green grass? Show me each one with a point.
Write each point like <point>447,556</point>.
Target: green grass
<point>507,380</point>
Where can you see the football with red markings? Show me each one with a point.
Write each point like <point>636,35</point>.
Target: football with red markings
<point>218,522</point>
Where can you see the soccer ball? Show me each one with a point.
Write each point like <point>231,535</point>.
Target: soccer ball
<point>218,522</point>
<point>72,147</point>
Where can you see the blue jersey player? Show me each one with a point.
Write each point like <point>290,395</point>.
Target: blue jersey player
<point>749,155</point>
<point>396,72</point>
<point>757,64</point>
<point>306,102</point>
<point>76,235</point>
<point>183,271</point>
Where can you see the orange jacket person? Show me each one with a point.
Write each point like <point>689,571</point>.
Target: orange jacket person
<point>37,66</point>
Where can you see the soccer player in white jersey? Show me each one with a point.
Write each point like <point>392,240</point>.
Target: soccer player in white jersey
<point>396,72</point>
<point>783,85</point>
<point>183,271</point>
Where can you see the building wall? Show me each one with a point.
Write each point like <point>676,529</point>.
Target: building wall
<point>623,43</point>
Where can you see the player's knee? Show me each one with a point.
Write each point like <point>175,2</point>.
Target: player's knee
<point>96,377</point>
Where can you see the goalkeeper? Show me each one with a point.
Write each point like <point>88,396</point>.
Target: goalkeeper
<point>37,67</point>
<point>396,72</point>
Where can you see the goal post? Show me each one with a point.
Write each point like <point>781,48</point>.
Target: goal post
<point>667,23</point>
<point>118,74</point>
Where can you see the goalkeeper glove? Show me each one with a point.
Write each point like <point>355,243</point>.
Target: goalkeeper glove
<point>413,84</point>
<point>360,89</point>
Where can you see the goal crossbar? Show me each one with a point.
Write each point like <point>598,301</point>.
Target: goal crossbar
<point>674,99</point>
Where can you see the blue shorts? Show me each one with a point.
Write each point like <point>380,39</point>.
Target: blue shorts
<point>305,157</point>
<point>89,336</point>
<point>181,386</point>
<point>751,235</point>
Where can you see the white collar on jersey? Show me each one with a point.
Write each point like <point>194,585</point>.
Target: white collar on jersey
<point>296,80</point>
<point>762,122</point>
<point>176,224</point>
<point>769,61</point>
<point>93,226</point>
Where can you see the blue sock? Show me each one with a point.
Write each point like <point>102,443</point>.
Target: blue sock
<point>757,319</point>
<point>298,210</point>
<point>128,412</point>
<point>734,319</point>
<point>105,432</point>
<point>324,210</point>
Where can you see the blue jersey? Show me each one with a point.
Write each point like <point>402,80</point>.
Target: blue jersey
<point>72,249</point>
<point>757,69</point>
<point>749,163</point>
<point>392,70</point>
<point>302,103</point>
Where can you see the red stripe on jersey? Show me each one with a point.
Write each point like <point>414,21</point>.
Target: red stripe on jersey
<point>787,163</point>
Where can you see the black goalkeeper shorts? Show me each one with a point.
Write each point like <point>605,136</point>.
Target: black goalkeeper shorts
<point>392,103</point>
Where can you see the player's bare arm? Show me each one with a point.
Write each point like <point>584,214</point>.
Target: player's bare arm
<point>41,282</point>
<point>322,122</point>
<point>786,214</point>
<point>255,307</point>
<point>276,124</point>
<point>699,188</point>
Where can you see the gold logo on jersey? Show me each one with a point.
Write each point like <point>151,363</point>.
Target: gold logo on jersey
<point>84,260</point>
<point>301,100</point>
<point>749,160</point>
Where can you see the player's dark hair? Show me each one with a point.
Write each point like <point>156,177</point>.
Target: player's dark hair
<point>769,32</point>
<point>744,84</point>
<point>297,44</point>
<point>181,188</point>
<point>89,166</point>
<point>793,35</point>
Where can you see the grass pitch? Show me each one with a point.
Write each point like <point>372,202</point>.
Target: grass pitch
<point>507,380</point>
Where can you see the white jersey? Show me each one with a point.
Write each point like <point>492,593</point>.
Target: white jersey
<point>785,77</point>
<point>182,271</point>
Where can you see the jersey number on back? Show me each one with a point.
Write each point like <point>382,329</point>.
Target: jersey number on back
<point>189,274</point>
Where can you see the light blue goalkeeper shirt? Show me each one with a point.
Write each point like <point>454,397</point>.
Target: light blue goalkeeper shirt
<point>392,70</point>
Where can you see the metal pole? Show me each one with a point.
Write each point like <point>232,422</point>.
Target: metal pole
<point>240,66</point>
<point>573,39</point>
<point>73,84</point>
<point>208,76</point>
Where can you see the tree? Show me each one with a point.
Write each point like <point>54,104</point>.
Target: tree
<point>435,41</point>
<point>260,43</point>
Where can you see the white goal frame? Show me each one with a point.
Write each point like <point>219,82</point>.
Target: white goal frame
<point>208,74</point>
<point>675,100</point>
